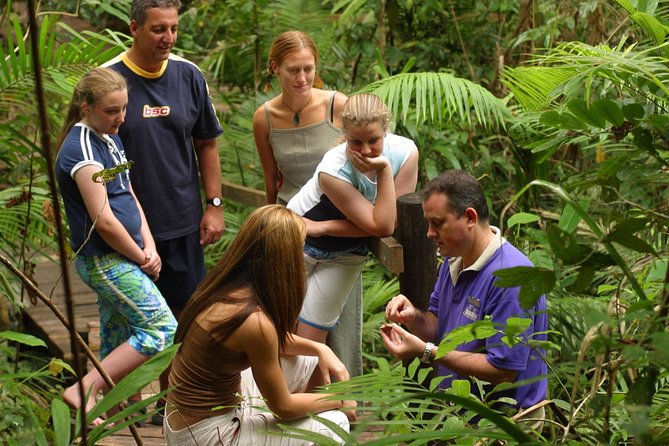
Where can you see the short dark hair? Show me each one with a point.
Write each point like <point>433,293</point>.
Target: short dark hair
<point>463,191</point>
<point>138,8</point>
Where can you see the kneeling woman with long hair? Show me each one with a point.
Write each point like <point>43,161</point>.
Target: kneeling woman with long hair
<point>238,353</point>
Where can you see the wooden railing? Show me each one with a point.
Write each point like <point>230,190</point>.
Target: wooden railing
<point>407,253</point>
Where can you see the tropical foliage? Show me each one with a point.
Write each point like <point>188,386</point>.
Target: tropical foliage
<point>560,108</point>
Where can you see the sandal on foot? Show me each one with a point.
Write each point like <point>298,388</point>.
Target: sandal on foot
<point>140,423</point>
<point>157,418</point>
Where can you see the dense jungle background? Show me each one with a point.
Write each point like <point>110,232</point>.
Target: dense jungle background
<point>560,107</point>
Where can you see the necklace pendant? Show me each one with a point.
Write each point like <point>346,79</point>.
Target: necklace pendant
<point>296,119</point>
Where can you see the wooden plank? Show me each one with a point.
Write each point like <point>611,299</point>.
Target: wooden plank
<point>44,322</point>
<point>389,252</point>
<point>387,249</point>
<point>242,194</point>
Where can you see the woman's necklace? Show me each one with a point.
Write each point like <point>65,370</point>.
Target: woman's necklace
<point>296,113</point>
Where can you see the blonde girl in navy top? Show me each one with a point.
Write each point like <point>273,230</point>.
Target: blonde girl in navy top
<point>115,252</point>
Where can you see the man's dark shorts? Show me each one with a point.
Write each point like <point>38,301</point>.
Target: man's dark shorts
<point>182,270</point>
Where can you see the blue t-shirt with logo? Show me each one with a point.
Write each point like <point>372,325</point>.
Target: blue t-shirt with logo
<point>166,110</point>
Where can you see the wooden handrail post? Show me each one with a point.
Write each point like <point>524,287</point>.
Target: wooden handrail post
<point>420,260</point>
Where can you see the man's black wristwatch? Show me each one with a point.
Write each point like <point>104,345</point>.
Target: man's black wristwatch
<point>216,202</point>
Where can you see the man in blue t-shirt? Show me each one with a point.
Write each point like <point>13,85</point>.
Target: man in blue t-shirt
<point>457,214</point>
<point>170,133</point>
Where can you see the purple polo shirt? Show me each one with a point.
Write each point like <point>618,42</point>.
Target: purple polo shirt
<point>460,299</point>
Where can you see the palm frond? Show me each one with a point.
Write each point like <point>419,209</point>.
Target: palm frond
<point>575,68</point>
<point>440,96</point>
<point>25,218</point>
<point>410,407</point>
<point>239,160</point>
<point>303,15</point>
<point>62,63</point>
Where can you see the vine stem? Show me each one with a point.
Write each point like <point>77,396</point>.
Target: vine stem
<point>75,339</point>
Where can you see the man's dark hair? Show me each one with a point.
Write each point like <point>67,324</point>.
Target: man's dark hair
<point>139,8</point>
<point>463,191</point>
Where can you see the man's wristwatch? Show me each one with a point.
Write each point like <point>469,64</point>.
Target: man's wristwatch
<point>216,202</point>
<point>427,353</point>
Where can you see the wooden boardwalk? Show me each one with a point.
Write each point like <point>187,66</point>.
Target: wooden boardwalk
<point>40,321</point>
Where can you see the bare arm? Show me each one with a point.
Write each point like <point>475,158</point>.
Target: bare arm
<point>378,218</point>
<point>153,263</point>
<point>108,226</point>
<point>404,183</point>
<point>266,155</point>
<point>339,102</point>
<point>212,224</point>
<point>407,177</point>
<point>257,338</point>
<point>337,228</point>
<point>328,362</point>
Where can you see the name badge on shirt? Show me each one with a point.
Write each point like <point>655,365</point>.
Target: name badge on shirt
<point>472,308</point>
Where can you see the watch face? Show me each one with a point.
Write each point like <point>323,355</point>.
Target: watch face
<point>216,201</point>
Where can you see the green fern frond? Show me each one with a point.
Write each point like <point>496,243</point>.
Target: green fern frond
<point>576,68</point>
<point>439,96</point>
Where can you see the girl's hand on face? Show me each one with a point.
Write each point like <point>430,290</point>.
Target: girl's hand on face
<point>365,163</point>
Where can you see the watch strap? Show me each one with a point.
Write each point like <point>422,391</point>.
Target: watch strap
<point>427,353</point>
<point>216,201</point>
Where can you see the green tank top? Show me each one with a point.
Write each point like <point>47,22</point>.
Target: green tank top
<point>298,151</point>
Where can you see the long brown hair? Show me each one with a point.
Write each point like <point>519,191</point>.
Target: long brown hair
<point>287,43</point>
<point>266,257</point>
<point>91,89</point>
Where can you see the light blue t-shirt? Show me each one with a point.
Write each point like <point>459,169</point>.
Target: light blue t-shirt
<point>311,202</point>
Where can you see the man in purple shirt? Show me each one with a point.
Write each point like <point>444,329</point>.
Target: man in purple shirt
<point>457,213</point>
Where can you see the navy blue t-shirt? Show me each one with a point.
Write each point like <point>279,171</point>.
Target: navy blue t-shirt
<point>166,110</point>
<point>84,147</point>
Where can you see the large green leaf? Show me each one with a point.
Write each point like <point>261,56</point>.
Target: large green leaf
<point>609,110</point>
<point>632,112</point>
<point>630,241</point>
<point>522,218</point>
<point>566,247</point>
<point>533,282</point>
<point>533,87</point>
<point>22,338</point>
<point>565,70</point>
<point>60,418</point>
<point>564,120</point>
<point>460,335</point>
<point>651,26</point>
<point>585,113</point>
<point>569,219</point>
